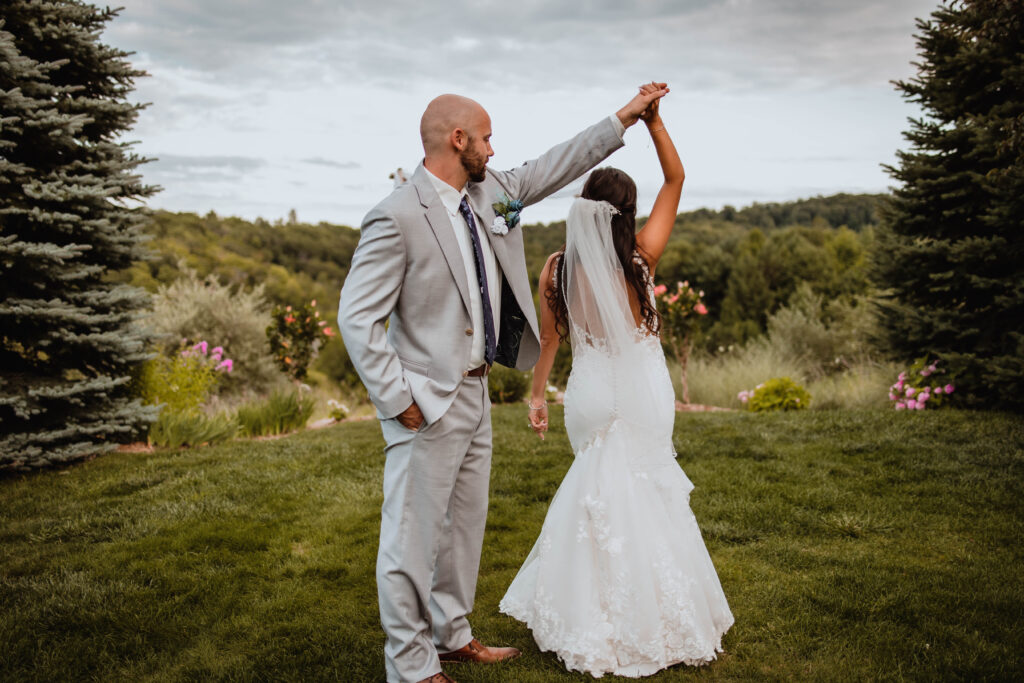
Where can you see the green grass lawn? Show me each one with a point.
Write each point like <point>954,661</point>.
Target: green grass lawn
<point>851,546</point>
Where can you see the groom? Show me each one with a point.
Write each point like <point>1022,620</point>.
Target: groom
<point>437,293</point>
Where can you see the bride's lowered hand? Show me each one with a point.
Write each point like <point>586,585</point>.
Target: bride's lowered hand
<point>539,417</point>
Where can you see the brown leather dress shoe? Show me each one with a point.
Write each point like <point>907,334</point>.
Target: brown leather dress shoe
<point>475,652</point>
<point>440,677</point>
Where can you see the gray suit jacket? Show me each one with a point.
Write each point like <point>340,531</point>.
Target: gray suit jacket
<point>407,271</point>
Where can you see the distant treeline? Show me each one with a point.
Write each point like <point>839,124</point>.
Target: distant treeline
<point>748,261</point>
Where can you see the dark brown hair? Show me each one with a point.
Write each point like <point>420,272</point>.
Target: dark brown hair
<point>618,189</point>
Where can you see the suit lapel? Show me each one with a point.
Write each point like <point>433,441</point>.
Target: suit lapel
<point>441,225</point>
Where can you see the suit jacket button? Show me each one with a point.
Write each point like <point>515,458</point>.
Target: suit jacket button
<point>469,331</point>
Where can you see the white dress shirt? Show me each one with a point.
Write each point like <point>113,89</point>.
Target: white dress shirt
<point>451,198</point>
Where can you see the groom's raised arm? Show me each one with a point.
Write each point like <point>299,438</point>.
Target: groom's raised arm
<point>564,163</point>
<point>368,297</point>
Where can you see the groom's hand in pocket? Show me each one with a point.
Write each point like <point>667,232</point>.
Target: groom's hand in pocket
<point>411,418</point>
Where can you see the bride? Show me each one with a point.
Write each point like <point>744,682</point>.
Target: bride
<point>619,580</point>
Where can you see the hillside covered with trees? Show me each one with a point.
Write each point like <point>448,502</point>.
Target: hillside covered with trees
<point>749,261</point>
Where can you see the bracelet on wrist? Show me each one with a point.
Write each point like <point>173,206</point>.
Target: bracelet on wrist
<point>533,407</point>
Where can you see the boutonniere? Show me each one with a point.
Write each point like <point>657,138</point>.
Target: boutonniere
<point>506,216</point>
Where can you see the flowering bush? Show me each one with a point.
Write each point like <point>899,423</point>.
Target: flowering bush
<point>914,390</point>
<point>780,393</point>
<point>185,380</point>
<point>680,312</point>
<point>295,336</point>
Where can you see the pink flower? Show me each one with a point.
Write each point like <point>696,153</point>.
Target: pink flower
<point>910,391</point>
<point>674,298</point>
<point>329,332</point>
<point>290,319</point>
<point>936,390</point>
<point>660,289</point>
<point>701,308</point>
<point>201,347</point>
<point>902,376</point>
<point>920,405</point>
<point>218,351</point>
<point>900,406</point>
<point>949,389</point>
<point>911,404</point>
<point>226,365</point>
<point>313,302</point>
<point>923,396</point>
<point>926,372</point>
<point>892,396</point>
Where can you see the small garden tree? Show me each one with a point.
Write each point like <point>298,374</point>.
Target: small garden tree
<point>680,311</point>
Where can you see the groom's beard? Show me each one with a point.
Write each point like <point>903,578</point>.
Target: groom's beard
<point>476,166</point>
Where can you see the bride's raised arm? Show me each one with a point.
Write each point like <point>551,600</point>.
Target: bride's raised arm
<point>654,236</point>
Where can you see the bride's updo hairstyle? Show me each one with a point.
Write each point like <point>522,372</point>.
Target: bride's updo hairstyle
<point>618,189</point>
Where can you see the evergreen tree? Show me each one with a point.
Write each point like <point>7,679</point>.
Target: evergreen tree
<point>951,252</point>
<point>70,216</point>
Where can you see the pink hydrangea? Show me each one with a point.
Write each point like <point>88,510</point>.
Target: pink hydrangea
<point>910,391</point>
<point>948,389</point>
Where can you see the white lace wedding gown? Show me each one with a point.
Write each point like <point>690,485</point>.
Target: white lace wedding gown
<point>619,580</point>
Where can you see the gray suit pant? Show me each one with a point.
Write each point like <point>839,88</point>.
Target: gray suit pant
<point>432,529</point>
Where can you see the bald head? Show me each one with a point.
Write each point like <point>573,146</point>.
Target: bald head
<point>446,113</point>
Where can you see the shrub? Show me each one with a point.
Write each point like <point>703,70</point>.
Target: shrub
<point>194,308</point>
<point>339,411</point>
<point>174,430</point>
<point>294,336</point>
<point>183,382</point>
<point>279,413</point>
<point>914,391</point>
<point>823,338</point>
<point>779,393</point>
<point>334,362</point>
<point>506,385</point>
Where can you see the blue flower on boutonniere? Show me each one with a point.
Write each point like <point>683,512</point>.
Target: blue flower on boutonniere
<point>506,216</point>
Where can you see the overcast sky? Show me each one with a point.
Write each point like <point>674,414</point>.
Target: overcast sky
<point>260,106</point>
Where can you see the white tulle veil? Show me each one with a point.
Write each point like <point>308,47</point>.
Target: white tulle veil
<point>594,284</point>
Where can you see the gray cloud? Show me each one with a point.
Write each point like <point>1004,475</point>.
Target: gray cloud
<point>175,167</point>
<point>544,44</point>
<point>344,165</point>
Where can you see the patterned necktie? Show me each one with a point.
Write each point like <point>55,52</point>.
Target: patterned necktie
<point>490,345</point>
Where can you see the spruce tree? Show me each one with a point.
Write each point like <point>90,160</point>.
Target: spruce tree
<point>70,215</point>
<point>950,253</point>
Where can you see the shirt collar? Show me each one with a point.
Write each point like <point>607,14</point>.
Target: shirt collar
<point>450,197</point>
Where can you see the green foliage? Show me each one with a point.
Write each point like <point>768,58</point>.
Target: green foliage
<point>192,308</point>
<point>181,382</point>
<point>289,262</point>
<point>279,413</point>
<point>506,385</point>
<point>778,393</point>
<point>176,429</point>
<point>808,517</point>
<point>950,258</point>
<point>295,336</point>
<point>69,194</point>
